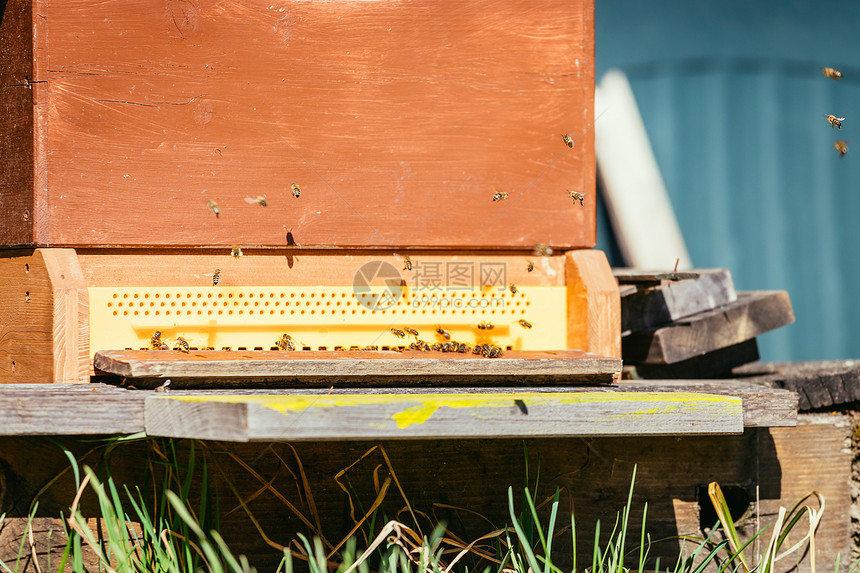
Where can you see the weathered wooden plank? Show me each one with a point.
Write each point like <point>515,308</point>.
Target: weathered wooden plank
<point>715,364</point>
<point>821,384</point>
<point>398,416</point>
<point>754,313</point>
<point>627,276</point>
<point>649,307</point>
<point>573,365</point>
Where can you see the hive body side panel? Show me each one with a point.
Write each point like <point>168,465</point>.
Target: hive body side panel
<point>70,329</point>
<point>594,304</point>
<point>398,120</point>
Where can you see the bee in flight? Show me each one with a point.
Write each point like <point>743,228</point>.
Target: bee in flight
<point>398,333</point>
<point>259,200</point>
<point>499,196</point>
<point>530,267</point>
<point>285,342</point>
<point>576,196</point>
<point>485,326</point>
<point>513,288</point>
<point>407,263</point>
<point>568,140</point>
<point>411,331</point>
<point>297,191</point>
<point>841,146</point>
<point>443,333</point>
<point>543,250</point>
<point>832,73</point>
<point>524,323</point>
<point>213,206</point>
<point>834,121</point>
<point>236,252</point>
<point>216,277</point>
<point>182,345</point>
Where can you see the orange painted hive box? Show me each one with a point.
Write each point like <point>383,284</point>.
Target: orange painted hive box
<point>173,122</point>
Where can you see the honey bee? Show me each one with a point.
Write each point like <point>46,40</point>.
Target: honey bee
<point>568,140</point>
<point>164,387</point>
<point>576,196</point>
<point>182,345</point>
<point>411,331</point>
<point>236,252</point>
<point>530,267</point>
<point>513,288</point>
<point>297,191</point>
<point>834,121</point>
<point>407,263</point>
<point>285,342</point>
<point>398,333</point>
<point>543,250</point>
<point>259,200</point>
<point>499,196</point>
<point>832,73</point>
<point>841,146</point>
<point>420,345</point>
<point>485,326</point>
<point>213,206</point>
<point>372,347</point>
<point>155,342</point>
<point>487,350</point>
<point>524,323</point>
<point>216,277</point>
<point>443,333</point>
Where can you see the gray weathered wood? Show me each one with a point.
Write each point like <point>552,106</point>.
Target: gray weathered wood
<point>647,307</point>
<point>715,364</point>
<point>753,313</point>
<point>638,277</point>
<point>372,368</point>
<point>823,384</point>
<point>473,415</point>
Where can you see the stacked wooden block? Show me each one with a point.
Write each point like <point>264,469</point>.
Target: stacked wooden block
<point>693,324</point>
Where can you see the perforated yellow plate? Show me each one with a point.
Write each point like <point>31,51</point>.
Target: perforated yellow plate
<point>324,317</point>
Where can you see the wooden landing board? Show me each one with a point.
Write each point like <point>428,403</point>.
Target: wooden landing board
<point>214,367</point>
<point>824,384</point>
<point>654,304</point>
<point>754,313</point>
<point>468,415</point>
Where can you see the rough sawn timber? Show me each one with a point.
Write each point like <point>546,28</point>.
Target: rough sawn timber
<point>822,384</point>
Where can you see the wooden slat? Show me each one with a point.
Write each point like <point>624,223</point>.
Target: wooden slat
<point>715,364</point>
<point>371,367</point>
<point>754,313</point>
<point>394,416</point>
<point>822,384</point>
<point>669,300</point>
<point>593,302</point>
<point>627,276</point>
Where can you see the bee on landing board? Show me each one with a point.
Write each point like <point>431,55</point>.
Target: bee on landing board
<point>568,140</point>
<point>576,196</point>
<point>182,345</point>
<point>285,342</point>
<point>842,147</point>
<point>443,333</point>
<point>155,342</point>
<point>297,191</point>
<point>499,196</point>
<point>259,200</point>
<point>834,121</point>
<point>832,73</point>
<point>213,206</point>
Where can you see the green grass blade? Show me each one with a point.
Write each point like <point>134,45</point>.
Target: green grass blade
<point>530,557</point>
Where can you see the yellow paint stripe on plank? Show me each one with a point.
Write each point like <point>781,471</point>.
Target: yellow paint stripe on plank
<point>418,408</point>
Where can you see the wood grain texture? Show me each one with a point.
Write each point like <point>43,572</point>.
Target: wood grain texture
<point>71,333</point>
<point>355,365</point>
<point>378,416</point>
<point>754,313</point>
<point>650,306</point>
<point>593,301</point>
<point>715,364</point>
<point>821,384</point>
<point>16,123</point>
<point>398,120</point>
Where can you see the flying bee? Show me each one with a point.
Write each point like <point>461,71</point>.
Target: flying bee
<point>213,206</point>
<point>182,345</point>
<point>576,196</point>
<point>543,250</point>
<point>834,121</point>
<point>155,341</point>
<point>568,140</point>
<point>236,252</point>
<point>499,196</point>
<point>216,277</point>
<point>259,200</point>
<point>485,326</point>
<point>411,331</point>
<point>513,288</point>
<point>832,73</point>
<point>398,333</point>
<point>407,263</point>
<point>841,146</point>
<point>524,323</point>
<point>297,191</point>
<point>443,333</point>
<point>530,267</point>
<point>285,342</point>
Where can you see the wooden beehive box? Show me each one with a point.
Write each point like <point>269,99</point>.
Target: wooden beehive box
<point>399,121</point>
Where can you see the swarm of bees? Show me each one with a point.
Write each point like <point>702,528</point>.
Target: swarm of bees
<point>499,196</point>
<point>259,200</point>
<point>213,206</point>
<point>832,73</point>
<point>297,191</point>
<point>568,140</point>
<point>419,345</point>
<point>285,342</point>
<point>576,196</point>
<point>841,146</point>
<point>487,350</point>
<point>834,121</point>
